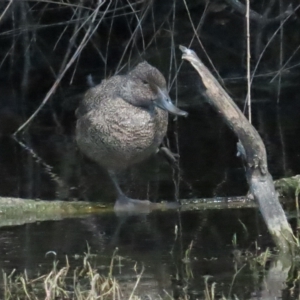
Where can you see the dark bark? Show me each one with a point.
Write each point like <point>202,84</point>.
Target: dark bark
<point>253,152</point>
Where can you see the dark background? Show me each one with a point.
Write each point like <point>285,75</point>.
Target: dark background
<point>39,39</point>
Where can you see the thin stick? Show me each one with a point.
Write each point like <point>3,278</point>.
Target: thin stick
<point>52,90</point>
<point>269,42</point>
<point>137,282</point>
<point>6,9</point>
<point>248,62</point>
<point>280,57</point>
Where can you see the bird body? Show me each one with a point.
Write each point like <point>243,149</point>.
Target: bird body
<point>115,133</point>
<point>123,120</point>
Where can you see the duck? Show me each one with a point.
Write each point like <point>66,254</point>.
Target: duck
<point>122,121</point>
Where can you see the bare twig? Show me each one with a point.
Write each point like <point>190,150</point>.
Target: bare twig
<point>269,42</point>
<point>281,55</point>
<point>253,15</point>
<point>248,62</point>
<point>52,90</point>
<point>200,43</point>
<point>6,9</point>
<point>132,37</point>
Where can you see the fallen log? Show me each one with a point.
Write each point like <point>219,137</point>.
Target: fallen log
<point>252,150</point>
<point>19,211</point>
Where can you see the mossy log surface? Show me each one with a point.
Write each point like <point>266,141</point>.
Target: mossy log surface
<point>288,187</point>
<point>17,211</point>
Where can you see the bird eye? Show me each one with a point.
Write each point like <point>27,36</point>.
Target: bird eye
<point>144,81</point>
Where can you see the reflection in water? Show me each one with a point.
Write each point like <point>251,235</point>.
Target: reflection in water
<point>158,242</point>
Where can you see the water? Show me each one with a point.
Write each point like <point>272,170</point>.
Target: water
<point>158,242</point>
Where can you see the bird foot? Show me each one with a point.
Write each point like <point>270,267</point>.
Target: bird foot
<point>134,206</point>
<point>128,205</point>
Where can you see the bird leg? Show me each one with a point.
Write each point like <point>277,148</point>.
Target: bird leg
<point>126,204</point>
<point>171,157</point>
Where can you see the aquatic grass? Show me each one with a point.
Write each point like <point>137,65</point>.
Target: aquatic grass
<point>297,192</point>
<point>209,292</point>
<point>263,258</point>
<point>82,283</point>
<point>86,282</point>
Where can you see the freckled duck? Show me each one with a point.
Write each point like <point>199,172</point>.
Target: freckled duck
<point>123,120</point>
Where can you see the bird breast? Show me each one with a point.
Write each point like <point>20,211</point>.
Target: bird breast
<point>118,134</point>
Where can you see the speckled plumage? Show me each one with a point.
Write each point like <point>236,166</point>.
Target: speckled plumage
<point>118,124</point>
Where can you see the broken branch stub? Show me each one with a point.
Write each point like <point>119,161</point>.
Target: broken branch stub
<point>253,152</point>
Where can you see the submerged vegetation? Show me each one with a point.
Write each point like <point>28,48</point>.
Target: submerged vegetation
<point>89,281</point>
<point>66,282</point>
